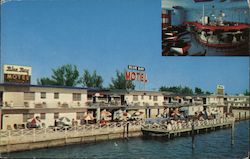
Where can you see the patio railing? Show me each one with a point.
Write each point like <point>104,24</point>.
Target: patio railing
<point>33,135</point>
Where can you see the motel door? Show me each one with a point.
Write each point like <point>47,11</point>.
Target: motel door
<point>149,113</point>
<point>169,100</point>
<point>94,99</point>
<point>204,101</point>
<point>122,100</point>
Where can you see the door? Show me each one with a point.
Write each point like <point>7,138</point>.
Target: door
<point>204,101</point>
<point>169,100</point>
<point>149,113</point>
<point>94,99</point>
<point>1,99</point>
<point>123,100</point>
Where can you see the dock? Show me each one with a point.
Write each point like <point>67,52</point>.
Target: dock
<point>185,128</point>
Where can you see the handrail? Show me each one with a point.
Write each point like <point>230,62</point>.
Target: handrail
<point>188,125</point>
<point>32,135</point>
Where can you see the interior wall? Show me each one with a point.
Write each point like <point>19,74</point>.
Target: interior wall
<point>234,15</point>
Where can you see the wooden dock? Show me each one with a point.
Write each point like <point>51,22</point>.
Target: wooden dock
<point>185,128</point>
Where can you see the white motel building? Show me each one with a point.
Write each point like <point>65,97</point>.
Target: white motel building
<point>20,102</point>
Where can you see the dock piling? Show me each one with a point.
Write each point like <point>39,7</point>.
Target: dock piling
<point>232,133</point>
<point>127,129</point>
<point>192,133</point>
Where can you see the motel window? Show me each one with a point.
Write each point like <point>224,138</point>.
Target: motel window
<point>79,115</point>
<point>43,95</point>
<point>150,97</point>
<point>142,97</point>
<point>26,117</point>
<point>155,98</point>
<point>135,97</point>
<point>76,96</point>
<point>29,96</point>
<point>42,116</point>
<point>56,95</point>
<point>56,115</point>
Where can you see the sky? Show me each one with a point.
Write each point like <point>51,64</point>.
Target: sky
<point>107,35</point>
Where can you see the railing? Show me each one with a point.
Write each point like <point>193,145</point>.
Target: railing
<point>33,135</point>
<point>182,126</point>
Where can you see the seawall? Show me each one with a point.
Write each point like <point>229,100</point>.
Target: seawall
<point>21,140</point>
<point>64,141</point>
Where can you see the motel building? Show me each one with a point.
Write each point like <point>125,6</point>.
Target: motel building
<point>149,103</point>
<point>21,102</point>
<point>191,104</point>
<point>238,105</point>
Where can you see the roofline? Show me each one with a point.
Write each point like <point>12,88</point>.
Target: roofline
<point>41,86</point>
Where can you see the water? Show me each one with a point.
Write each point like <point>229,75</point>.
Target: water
<point>216,144</point>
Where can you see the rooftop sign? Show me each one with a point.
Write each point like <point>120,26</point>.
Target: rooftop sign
<point>137,68</point>
<point>138,74</point>
<point>17,74</point>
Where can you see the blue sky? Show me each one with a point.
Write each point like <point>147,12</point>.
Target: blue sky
<point>107,35</point>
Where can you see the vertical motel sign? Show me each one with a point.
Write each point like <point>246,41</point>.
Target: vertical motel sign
<point>137,74</point>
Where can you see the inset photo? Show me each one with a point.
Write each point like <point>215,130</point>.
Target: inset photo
<point>205,27</point>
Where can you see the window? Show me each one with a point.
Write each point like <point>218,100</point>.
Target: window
<point>56,115</point>
<point>56,95</point>
<point>135,97</point>
<point>142,97</point>
<point>42,116</point>
<point>76,96</point>
<point>29,96</point>
<point>27,116</point>
<point>155,98</point>
<point>79,115</point>
<point>150,97</point>
<point>43,95</point>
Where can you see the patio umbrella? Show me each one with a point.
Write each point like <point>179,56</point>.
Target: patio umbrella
<point>33,121</point>
<point>177,97</point>
<point>64,120</point>
<point>105,113</point>
<point>87,118</point>
<point>137,113</point>
<point>126,114</point>
<point>188,97</point>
